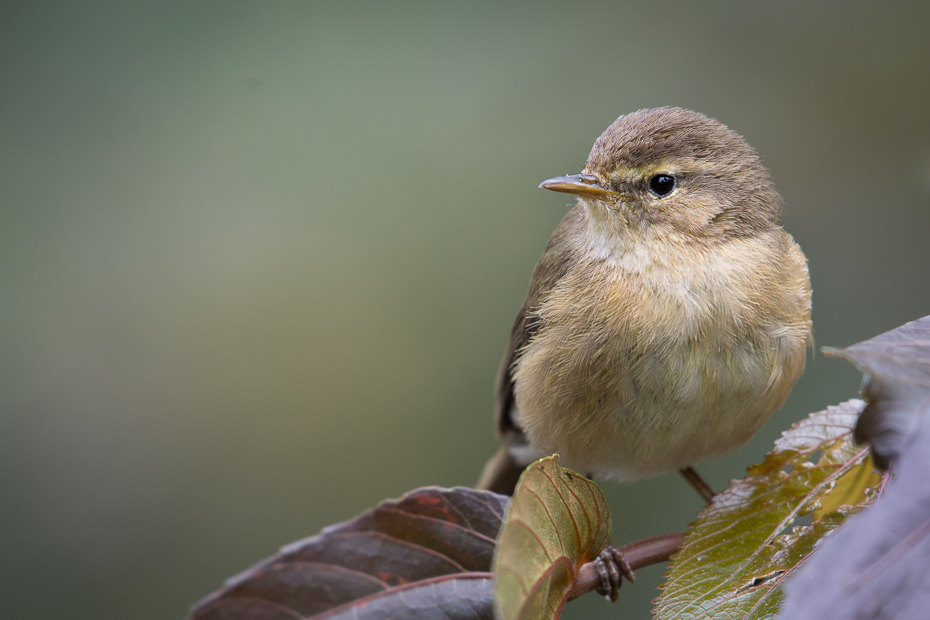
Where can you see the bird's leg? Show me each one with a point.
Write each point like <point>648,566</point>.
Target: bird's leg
<point>705,490</point>
<point>611,567</point>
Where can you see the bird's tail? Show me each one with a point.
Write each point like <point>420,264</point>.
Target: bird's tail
<point>500,473</point>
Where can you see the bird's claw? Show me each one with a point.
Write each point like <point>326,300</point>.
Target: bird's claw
<point>611,567</point>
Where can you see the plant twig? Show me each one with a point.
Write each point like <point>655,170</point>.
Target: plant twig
<point>639,554</point>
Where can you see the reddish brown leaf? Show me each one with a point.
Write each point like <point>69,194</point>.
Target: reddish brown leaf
<point>426,556</point>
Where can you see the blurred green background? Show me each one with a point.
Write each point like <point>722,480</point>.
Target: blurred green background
<point>259,261</point>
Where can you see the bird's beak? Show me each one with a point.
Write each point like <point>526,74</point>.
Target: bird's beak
<point>581,185</point>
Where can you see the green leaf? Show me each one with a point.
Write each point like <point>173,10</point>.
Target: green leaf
<point>851,489</point>
<point>740,549</point>
<point>426,556</point>
<point>557,522</point>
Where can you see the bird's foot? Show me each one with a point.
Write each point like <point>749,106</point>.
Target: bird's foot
<point>611,567</point>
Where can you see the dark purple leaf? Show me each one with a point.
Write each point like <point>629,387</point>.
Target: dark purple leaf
<point>896,365</point>
<point>425,556</point>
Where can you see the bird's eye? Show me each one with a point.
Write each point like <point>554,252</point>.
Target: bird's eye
<point>662,184</point>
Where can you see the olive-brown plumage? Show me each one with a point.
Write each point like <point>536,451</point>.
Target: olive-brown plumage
<point>669,315</point>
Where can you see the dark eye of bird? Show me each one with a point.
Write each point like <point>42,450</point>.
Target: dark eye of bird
<point>662,184</point>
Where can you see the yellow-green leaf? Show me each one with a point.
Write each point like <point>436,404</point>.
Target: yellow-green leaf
<point>851,489</point>
<point>557,522</point>
<point>741,547</point>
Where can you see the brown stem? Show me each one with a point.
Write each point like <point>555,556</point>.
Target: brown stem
<point>639,554</point>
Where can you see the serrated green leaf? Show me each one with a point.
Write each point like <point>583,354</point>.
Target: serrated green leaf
<point>740,548</point>
<point>851,489</point>
<point>556,522</point>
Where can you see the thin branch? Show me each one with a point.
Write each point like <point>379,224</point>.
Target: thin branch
<point>639,554</point>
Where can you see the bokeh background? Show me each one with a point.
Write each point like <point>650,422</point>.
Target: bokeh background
<point>259,261</point>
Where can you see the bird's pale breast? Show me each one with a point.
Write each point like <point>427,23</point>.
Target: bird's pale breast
<point>653,358</point>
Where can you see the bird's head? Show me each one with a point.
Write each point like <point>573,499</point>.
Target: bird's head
<point>674,171</point>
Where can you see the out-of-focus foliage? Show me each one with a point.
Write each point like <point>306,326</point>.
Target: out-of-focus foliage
<point>740,549</point>
<point>896,365</point>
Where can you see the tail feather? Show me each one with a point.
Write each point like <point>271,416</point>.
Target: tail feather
<point>500,473</point>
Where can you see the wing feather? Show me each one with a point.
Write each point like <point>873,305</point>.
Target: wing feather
<point>560,255</point>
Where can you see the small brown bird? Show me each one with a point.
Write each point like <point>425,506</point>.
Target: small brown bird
<point>668,317</point>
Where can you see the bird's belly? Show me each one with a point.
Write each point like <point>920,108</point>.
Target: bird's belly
<point>630,401</point>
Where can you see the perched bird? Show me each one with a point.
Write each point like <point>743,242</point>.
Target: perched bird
<point>668,317</point>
